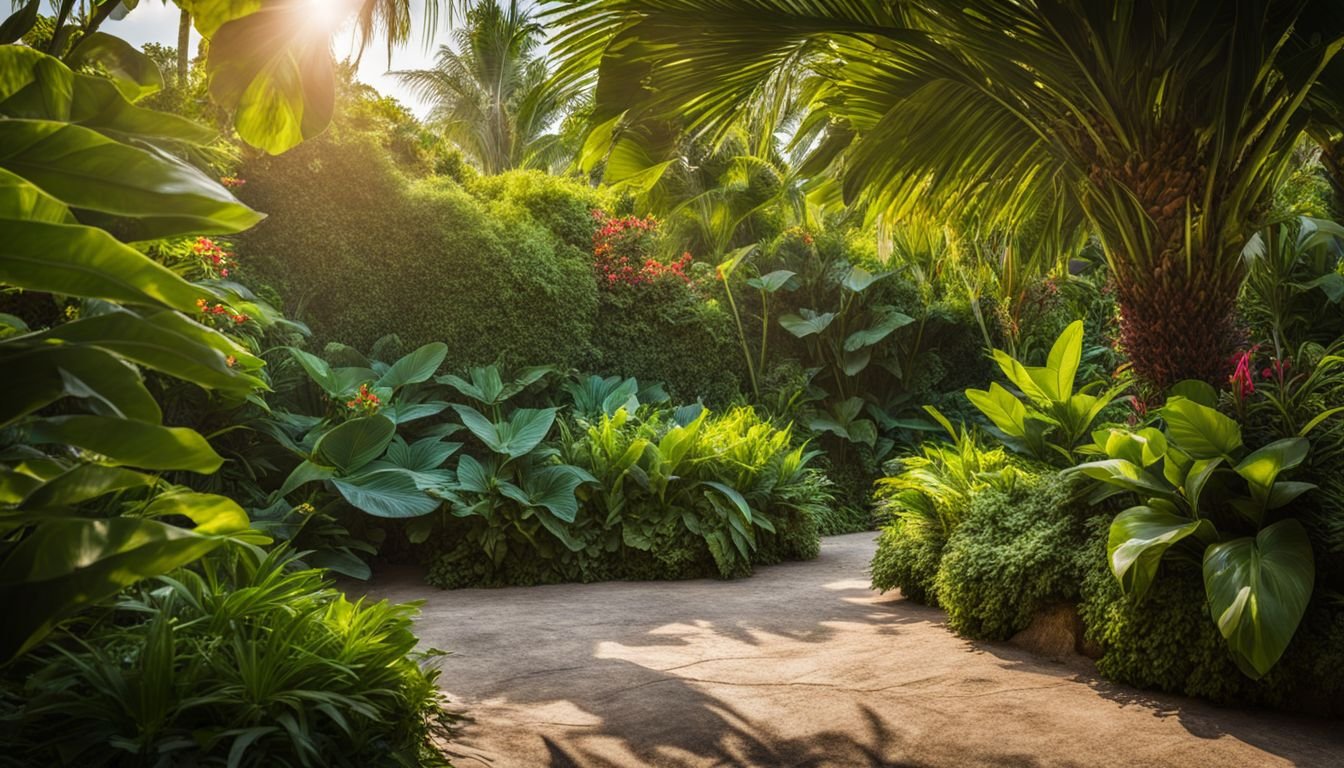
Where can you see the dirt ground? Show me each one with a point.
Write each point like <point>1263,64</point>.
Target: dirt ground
<point>799,665</point>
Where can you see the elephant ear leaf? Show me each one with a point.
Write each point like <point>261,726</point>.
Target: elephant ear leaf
<point>1138,539</point>
<point>355,443</point>
<point>1258,590</point>
<point>133,73</point>
<point>416,367</point>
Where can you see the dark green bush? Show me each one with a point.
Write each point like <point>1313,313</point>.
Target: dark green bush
<point>663,331</point>
<point>907,559</point>
<point>358,251</point>
<point>1015,552</point>
<point>1170,643</point>
<point>242,660</point>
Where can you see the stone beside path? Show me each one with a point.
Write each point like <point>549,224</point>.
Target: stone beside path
<point>799,665</point>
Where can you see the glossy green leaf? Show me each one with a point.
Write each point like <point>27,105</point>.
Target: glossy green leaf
<point>389,494</point>
<point>54,371</point>
<point>551,488</point>
<point>859,279</point>
<point>67,564</point>
<point>1201,392</point>
<point>1261,467</point>
<point>772,282</point>
<point>884,328</point>
<point>19,22</point>
<point>1056,379</point>
<point>212,513</point>
<point>351,445</point>
<point>416,367</point>
<point>1199,430</point>
<point>518,436</point>
<point>84,482</point>
<point>134,74</point>
<point>1258,590</point>
<point>1001,408</point>
<point>1139,538</point>
<point>150,194</point>
<point>126,442</point>
<point>273,68</point>
<point>807,322</point>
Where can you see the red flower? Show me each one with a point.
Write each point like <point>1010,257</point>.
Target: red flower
<point>1243,383</point>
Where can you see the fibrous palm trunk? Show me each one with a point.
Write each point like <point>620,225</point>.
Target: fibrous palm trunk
<point>1178,300</point>
<point>183,46</point>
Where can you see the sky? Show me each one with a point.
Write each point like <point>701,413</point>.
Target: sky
<point>156,22</point>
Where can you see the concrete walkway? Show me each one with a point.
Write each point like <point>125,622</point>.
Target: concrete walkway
<point>798,665</point>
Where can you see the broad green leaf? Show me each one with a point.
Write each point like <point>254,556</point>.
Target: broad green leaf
<point>388,493</point>
<point>134,74</point>
<point>66,564</point>
<point>884,327</point>
<point>734,259</point>
<point>1124,474</point>
<point>209,15</point>
<point>733,495</point>
<point>212,514</point>
<point>486,386</point>
<point>1258,590</point>
<point>416,367</point>
<point>355,443</point>
<point>126,442</point>
<point>1062,365</point>
<point>83,482</point>
<point>53,371</point>
<point>1198,476</point>
<point>474,477</point>
<point>1285,491</point>
<point>18,23</point>
<point>858,279</point>
<point>518,436</point>
<point>319,371</point>
<point>772,282</point>
<point>274,70</point>
<point>807,322</point>
<point>149,194</point>
<point>75,260</point>
<point>99,105</point>
<point>1001,408</point>
<point>1201,392</point>
<point>1261,467</point>
<point>1199,430</point>
<point>306,472</point>
<point>20,199</point>
<point>854,362</point>
<point>549,487</point>
<point>164,342</point>
<point>1022,377</point>
<point>1138,539</point>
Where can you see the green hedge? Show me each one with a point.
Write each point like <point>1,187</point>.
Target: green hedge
<point>664,332</point>
<point>1014,553</point>
<point>358,251</point>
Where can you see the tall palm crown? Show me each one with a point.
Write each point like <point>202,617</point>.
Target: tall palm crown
<point>1161,124</point>
<point>491,93</point>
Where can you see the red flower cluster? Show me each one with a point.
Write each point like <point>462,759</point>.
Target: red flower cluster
<point>214,259</point>
<point>232,182</point>
<point>1243,383</point>
<point>620,245</point>
<point>1278,369</point>
<point>219,310</point>
<point>365,401</point>
<point>801,234</point>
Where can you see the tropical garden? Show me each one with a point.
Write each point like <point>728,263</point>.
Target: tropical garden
<point>1048,295</point>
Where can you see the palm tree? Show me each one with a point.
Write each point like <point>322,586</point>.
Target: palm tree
<point>492,95</point>
<point>1162,125</point>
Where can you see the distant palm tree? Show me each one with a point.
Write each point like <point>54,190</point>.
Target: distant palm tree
<point>492,96</point>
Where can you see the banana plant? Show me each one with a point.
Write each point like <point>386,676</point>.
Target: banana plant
<point>1206,495</point>
<point>1047,418</point>
<point>82,511</point>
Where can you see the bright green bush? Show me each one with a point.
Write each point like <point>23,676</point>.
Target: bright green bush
<point>663,495</point>
<point>922,502</point>
<point>563,206</point>
<point>358,251</point>
<point>1014,552</point>
<point>242,660</point>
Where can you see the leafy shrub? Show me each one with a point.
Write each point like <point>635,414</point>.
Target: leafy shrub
<point>563,206</point>
<point>923,500</point>
<point>245,660</point>
<point>665,495</point>
<point>357,250</point>
<point>662,331</point>
<point>1014,552</point>
<point>1169,642</point>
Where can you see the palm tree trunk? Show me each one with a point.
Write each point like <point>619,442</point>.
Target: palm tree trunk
<point>183,46</point>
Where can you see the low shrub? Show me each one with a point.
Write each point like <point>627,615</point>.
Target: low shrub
<point>1015,551</point>
<point>661,495</point>
<point>563,206</point>
<point>242,660</point>
<point>922,501</point>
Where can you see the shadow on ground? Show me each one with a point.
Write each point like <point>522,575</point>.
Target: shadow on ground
<point>800,665</point>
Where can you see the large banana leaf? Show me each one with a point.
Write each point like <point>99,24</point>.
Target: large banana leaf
<point>126,442</point>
